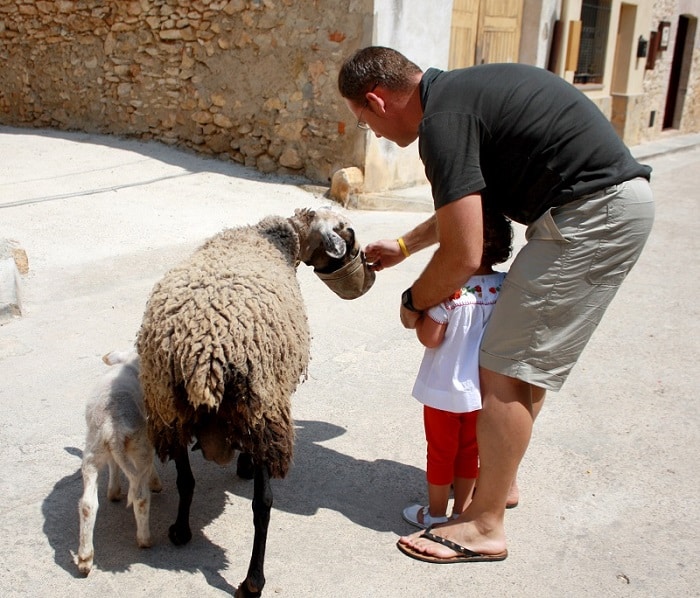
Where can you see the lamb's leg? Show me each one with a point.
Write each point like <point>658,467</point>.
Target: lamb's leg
<point>88,512</point>
<point>254,582</point>
<point>142,508</point>
<point>137,466</point>
<point>114,490</point>
<point>180,532</point>
<point>154,482</point>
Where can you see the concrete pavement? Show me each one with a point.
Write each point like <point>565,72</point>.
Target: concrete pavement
<point>609,485</point>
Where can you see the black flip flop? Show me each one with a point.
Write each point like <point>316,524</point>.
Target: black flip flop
<point>464,555</point>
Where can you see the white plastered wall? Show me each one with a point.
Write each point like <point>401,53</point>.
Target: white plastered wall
<point>420,31</point>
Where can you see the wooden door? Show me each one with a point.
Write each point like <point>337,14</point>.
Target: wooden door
<point>465,23</point>
<point>485,31</point>
<point>498,38</point>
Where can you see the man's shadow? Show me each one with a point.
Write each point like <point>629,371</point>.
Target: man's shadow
<point>369,493</point>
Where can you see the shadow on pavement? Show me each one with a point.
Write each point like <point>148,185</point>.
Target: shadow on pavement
<point>115,529</point>
<point>372,494</point>
<point>369,493</point>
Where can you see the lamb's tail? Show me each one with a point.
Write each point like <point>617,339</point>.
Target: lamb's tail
<point>116,357</point>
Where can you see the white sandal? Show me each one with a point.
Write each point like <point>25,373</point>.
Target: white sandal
<point>411,514</point>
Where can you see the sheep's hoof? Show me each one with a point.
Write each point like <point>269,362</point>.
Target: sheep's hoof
<point>179,536</point>
<point>244,592</point>
<point>245,468</point>
<point>155,484</point>
<point>85,564</point>
<point>114,495</point>
<point>144,542</point>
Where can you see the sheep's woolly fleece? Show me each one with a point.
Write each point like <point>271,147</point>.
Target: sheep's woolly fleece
<point>226,332</point>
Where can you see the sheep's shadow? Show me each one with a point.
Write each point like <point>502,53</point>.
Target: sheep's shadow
<point>369,493</point>
<point>115,529</point>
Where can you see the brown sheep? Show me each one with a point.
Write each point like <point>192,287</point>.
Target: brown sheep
<point>223,344</point>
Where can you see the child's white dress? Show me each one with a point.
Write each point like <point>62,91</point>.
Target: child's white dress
<point>448,377</point>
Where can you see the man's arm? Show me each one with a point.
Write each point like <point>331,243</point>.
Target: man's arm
<point>458,256</point>
<point>387,252</point>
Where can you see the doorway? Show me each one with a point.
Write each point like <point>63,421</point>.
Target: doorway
<point>680,72</point>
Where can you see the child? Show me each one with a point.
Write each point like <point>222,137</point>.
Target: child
<point>448,380</point>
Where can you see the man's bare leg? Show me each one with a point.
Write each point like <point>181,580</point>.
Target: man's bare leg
<point>503,433</point>
<point>537,394</point>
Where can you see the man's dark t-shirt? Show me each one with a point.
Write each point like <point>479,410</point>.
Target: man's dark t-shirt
<point>522,136</point>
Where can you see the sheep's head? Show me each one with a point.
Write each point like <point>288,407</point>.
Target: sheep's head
<point>327,242</point>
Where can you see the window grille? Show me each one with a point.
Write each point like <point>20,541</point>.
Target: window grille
<point>595,24</point>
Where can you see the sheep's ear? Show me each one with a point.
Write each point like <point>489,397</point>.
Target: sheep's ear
<point>304,215</point>
<point>333,243</point>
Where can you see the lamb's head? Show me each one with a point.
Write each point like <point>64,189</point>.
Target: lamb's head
<point>327,242</point>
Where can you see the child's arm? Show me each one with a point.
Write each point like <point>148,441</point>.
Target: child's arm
<point>430,333</point>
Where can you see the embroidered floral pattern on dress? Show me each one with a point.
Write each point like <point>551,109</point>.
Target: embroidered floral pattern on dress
<point>483,290</point>
<point>479,292</point>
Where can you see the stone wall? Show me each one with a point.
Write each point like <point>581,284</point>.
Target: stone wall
<point>249,80</point>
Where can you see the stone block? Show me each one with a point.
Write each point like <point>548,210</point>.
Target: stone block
<point>10,290</point>
<point>346,183</point>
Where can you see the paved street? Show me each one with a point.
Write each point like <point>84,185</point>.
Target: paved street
<point>609,487</point>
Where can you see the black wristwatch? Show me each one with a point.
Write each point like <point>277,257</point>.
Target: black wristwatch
<point>407,300</point>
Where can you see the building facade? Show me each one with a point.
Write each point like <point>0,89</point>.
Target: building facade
<point>638,60</point>
<point>254,81</point>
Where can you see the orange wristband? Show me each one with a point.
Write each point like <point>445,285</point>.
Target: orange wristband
<point>403,247</point>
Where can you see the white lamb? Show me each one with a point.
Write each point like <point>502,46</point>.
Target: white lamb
<point>117,437</point>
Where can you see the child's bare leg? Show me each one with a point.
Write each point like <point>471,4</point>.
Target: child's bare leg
<point>438,496</point>
<point>463,490</point>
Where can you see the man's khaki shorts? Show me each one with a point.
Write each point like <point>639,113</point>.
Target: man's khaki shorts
<point>562,281</point>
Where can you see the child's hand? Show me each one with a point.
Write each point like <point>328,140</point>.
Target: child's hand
<point>409,318</point>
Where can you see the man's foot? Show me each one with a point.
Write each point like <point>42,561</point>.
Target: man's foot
<point>463,534</point>
<point>462,554</point>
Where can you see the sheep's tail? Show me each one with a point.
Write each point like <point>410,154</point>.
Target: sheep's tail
<point>203,370</point>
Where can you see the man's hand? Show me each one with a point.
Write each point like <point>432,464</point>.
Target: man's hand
<point>383,254</point>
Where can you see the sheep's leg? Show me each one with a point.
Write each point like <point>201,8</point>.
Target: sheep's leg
<point>114,489</point>
<point>137,466</point>
<point>142,509</point>
<point>180,532</point>
<point>245,469</point>
<point>154,482</point>
<point>262,504</point>
<point>88,512</point>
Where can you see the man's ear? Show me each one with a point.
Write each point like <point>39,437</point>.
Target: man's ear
<point>375,102</point>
